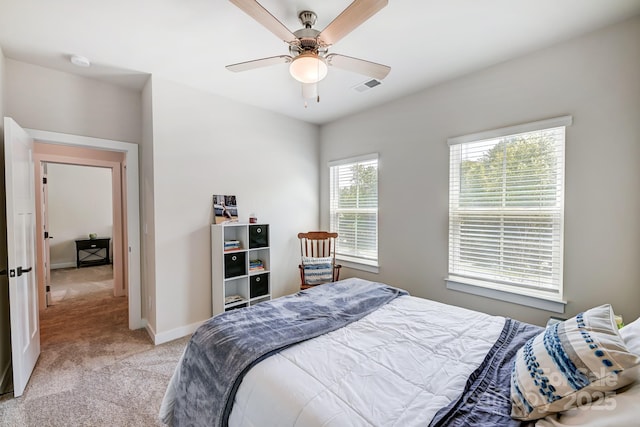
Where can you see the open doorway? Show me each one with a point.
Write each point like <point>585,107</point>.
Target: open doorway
<point>77,218</point>
<point>86,162</point>
<point>55,147</point>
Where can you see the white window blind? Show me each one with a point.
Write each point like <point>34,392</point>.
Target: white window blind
<point>506,207</point>
<point>353,208</point>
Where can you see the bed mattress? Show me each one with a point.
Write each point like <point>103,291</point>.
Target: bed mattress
<point>395,367</point>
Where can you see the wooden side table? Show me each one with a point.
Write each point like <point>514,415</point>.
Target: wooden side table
<point>92,251</point>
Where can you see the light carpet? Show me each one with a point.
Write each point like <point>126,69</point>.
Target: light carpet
<point>68,283</point>
<point>93,370</point>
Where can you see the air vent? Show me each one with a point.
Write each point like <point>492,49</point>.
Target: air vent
<point>370,84</point>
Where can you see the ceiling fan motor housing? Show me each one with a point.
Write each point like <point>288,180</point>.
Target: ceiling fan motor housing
<point>307,41</point>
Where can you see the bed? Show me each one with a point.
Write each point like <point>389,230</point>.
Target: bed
<point>360,353</point>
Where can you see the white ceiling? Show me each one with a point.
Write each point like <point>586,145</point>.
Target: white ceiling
<point>190,41</point>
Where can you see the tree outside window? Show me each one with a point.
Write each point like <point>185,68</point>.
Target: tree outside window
<point>354,209</point>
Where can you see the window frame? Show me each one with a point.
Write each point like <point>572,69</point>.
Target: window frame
<point>547,300</point>
<point>369,265</point>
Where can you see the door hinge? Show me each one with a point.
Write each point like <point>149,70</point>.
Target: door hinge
<point>44,180</point>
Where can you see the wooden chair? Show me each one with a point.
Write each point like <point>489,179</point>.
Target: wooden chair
<point>318,244</point>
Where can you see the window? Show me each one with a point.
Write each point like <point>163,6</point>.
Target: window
<point>506,209</point>
<point>353,209</point>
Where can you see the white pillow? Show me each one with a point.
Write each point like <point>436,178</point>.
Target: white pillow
<point>618,408</point>
<point>631,336</point>
<point>571,363</point>
<point>317,270</point>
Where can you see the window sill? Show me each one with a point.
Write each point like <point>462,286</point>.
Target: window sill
<point>357,264</point>
<point>495,291</point>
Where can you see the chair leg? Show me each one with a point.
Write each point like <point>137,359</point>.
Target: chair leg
<point>302,285</point>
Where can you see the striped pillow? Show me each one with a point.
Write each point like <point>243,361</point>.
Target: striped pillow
<point>317,270</point>
<point>571,363</point>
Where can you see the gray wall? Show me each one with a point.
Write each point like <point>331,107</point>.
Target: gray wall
<point>55,101</point>
<point>147,221</point>
<point>596,79</point>
<point>205,145</point>
<point>5,321</point>
<point>2,83</point>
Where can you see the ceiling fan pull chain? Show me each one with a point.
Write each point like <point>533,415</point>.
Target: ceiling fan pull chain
<point>318,86</point>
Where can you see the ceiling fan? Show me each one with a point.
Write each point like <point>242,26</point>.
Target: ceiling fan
<point>309,57</point>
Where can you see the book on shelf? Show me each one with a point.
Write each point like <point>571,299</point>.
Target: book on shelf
<point>233,298</point>
<point>255,263</point>
<point>231,244</point>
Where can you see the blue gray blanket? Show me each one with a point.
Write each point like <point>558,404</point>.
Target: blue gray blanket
<point>225,347</point>
<point>486,399</point>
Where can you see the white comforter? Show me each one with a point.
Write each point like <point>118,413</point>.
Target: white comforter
<point>395,367</point>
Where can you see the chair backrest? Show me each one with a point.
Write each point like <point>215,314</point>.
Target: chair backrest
<point>318,244</point>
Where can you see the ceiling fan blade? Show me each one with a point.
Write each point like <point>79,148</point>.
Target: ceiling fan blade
<point>266,19</point>
<point>360,66</point>
<point>350,18</point>
<point>259,63</point>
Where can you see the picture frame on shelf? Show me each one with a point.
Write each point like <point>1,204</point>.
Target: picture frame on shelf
<point>225,209</point>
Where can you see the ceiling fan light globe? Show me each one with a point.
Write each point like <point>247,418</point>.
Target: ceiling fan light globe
<point>308,68</point>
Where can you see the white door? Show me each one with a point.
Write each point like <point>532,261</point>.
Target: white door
<point>23,293</point>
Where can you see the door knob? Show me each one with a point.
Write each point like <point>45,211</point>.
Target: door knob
<point>23,270</point>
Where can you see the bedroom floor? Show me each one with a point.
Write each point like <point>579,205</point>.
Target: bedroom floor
<point>92,369</point>
<point>68,283</point>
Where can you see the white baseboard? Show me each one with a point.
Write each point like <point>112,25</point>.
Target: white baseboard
<point>173,334</point>
<point>150,331</point>
<point>63,265</point>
